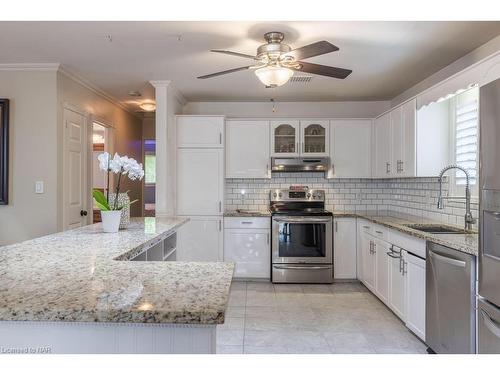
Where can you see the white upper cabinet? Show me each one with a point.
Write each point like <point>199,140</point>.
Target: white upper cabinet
<point>350,148</point>
<point>382,146</point>
<point>314,138</point>
<point>395,142</point>
<point>200,181</point>
<point>408,167</point>
<point>247,149</point>
<point>200,131</point>
<point>285,138</point>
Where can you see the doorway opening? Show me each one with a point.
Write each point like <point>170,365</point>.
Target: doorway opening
<point>99,145</point>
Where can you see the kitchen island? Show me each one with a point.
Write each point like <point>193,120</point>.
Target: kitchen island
<point>79,291</point>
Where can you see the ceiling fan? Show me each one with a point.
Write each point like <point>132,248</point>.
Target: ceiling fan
<point>276,61</point>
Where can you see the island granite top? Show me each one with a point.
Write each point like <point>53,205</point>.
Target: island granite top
<point>76,276</point>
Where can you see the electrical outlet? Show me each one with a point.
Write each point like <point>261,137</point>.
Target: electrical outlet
<point>39,187</point>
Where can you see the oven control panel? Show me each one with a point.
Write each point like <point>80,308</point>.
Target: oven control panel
<point>306,195</point>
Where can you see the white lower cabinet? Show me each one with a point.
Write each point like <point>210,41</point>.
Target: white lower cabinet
<point>381,248</point>
<point>344,248</point>
<point>415,294</point>
<point>200,240</point>
<point>397,283</point>
<point>368,262</point>
<point>247,243</point>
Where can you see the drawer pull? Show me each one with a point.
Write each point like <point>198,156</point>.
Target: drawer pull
<point>247,222</point>
<point>379,232</point>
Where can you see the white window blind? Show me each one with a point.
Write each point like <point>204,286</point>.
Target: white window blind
<point>466,139</point>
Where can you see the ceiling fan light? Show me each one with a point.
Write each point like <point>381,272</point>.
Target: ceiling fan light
<point>274,75</point>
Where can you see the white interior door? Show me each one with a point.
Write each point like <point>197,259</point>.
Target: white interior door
<point>75,170</point>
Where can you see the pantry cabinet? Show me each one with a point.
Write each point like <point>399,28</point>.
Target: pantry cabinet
<point>344,248</point>
<point>247,149</point>
<point>200,131</point>
<point>200,181</point>
<point>285,138</point>
<point>350,148</point>
<point>201,240</point>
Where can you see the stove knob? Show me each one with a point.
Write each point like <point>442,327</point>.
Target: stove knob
<point>280,195</point>
<point>275,195</point>
<point>309,195</point>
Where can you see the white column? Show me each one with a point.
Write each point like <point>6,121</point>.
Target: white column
<point>164,175</point>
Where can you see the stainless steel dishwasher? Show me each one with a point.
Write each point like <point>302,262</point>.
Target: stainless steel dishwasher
<point>450,300</point>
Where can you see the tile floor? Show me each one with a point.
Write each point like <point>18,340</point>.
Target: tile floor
<point>311,319</point>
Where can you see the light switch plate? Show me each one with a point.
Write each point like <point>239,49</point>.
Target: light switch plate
<point>39,187</point>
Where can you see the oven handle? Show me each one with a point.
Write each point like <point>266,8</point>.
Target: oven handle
<point>303,267</point>
<point>302,219</point>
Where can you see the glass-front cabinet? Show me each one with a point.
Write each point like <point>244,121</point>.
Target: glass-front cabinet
<point>314,138</point>
<point>299,138</point>
<point>285,138</point>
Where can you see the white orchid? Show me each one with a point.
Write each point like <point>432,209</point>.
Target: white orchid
<point>121,165</point>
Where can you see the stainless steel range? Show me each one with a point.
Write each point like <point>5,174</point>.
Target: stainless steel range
<point>302,236</point>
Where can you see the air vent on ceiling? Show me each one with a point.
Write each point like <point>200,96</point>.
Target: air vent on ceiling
<point>300,79</point>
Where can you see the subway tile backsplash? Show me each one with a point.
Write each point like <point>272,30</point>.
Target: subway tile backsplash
<point>414,196</point>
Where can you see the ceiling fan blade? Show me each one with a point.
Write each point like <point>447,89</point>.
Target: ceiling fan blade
<point>224,72</point>
<point>323,70</point>
<point>233,53</point>
<point>311,50</point>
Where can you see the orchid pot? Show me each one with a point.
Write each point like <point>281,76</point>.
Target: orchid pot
<point>115,209</point>
<point>111,221</point>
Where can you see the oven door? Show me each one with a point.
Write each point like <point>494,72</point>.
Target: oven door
<point>302,239</point>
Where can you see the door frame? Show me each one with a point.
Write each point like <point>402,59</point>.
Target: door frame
<point>108,146</point>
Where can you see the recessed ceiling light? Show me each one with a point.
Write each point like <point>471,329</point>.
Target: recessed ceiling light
<point>148,107</point>
<point>134,93</point>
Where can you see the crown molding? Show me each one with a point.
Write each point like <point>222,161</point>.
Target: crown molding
<point>40,67</point>
<point>92,87</point>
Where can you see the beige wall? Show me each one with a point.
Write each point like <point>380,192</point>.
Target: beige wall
<point>33,155</point>
<point>127,133</point>
<point>148,127</point>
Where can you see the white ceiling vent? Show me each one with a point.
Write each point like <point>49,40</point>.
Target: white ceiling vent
<point>300,79</point>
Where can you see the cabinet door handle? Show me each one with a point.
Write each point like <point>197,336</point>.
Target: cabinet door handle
<point>297,149</point>
<point>220,225</point>
<point>220,138</point>
<point>303,147</point>
<point>387,168</point>
<point>366,227</point>
<point>336,226</point>
<point>268,238</point>
<point>247,222</point>
<point>379,232</point>
<point>220,206</point>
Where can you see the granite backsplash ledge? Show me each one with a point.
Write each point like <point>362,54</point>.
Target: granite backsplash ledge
<point>415,196</point>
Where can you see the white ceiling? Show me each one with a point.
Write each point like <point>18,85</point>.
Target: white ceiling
<point>386,57</point>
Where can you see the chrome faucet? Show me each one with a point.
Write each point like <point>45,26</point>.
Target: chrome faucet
<point>469,220</point>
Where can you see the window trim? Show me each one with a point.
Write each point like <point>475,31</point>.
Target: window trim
<point>454,189</point>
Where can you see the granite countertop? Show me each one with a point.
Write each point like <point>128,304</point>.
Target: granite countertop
<point>467,243</point>
<point>243,213</point>
<point>76,276</point>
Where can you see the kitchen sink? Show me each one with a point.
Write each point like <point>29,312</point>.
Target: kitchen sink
<point>437,229</point>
